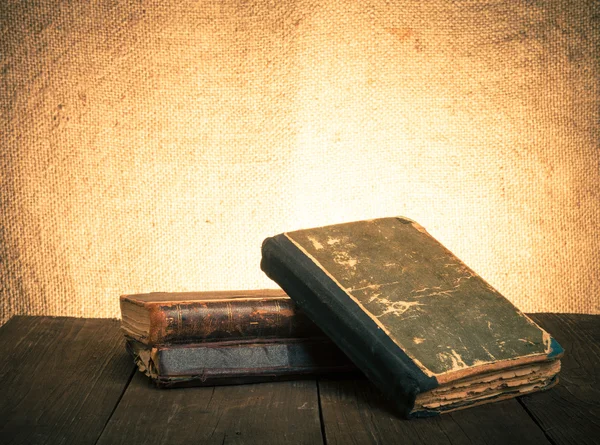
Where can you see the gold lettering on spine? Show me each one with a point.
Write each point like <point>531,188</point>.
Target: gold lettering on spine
<point>179,318</point>
<point>230,324</point>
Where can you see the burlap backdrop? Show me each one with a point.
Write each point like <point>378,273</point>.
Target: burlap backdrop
<point>152,145</point>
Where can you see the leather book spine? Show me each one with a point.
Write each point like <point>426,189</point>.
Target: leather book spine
<point>222,320</point>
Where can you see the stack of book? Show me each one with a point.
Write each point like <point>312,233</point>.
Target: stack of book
<point>228,337</point>
<point>422,326</point>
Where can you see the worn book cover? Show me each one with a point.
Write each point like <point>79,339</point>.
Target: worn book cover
<point>192,317</point>
<point>425,328</point>
<point>235,362</point>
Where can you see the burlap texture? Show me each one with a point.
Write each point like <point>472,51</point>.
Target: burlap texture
<point>152,146</point>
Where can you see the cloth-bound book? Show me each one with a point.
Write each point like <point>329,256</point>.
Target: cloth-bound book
<point>225,337</point>
<point>426,329</point>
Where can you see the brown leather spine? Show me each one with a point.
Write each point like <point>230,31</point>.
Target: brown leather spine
<point>186,322</point>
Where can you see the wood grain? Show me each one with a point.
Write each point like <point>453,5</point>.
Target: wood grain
<point>570,412</point>
<point>266,413</point>
<point>354,412</point>
<point>64,381</point>
<point>60,379</point>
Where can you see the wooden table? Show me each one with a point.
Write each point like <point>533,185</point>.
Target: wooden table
<point>70,381</point>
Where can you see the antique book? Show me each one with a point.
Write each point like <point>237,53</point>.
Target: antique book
<point>235,362</point>
<point>225,337</point>
<point>192,317</point>
<point>422,326</point>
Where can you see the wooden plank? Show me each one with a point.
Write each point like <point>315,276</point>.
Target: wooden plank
<point>60,379</point>
<point>570,412</point>
<point>354,412</point>
<point>265,413</point>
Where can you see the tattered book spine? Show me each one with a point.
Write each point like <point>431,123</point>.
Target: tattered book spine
<point>177,322</point>
<point>238,362</point>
